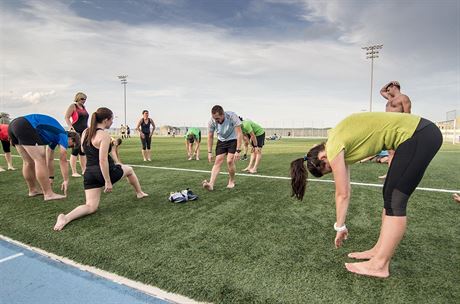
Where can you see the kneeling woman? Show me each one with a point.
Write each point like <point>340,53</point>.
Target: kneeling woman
<point>415,141</point>
<point>101,171</point>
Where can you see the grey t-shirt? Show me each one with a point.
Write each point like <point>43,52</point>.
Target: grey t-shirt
<point>226,130</point>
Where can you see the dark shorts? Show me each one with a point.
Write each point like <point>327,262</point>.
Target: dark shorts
<point>225,147</point>
<point>146,141</point>
<point>6,146</point>
<point>22,133</point>
<point>260,141</point>
<point>409,163</point>
<point>93,177</point>
<point>77,149</point>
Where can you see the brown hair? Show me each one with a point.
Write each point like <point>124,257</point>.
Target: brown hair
<point>96,117</point>
<point>299,172</point>
<point>75,137</point>
<point>217,109</point>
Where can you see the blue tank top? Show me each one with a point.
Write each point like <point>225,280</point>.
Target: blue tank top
<point>49,129</point>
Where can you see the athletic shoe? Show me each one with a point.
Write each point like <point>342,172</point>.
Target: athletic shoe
<point>189,194</point>
<point>177,197</point>
<point>245,157</point>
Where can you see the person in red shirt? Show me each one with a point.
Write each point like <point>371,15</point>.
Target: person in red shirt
<point>6,146</point>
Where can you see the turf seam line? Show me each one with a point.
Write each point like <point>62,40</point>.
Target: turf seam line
<point>144,288</point>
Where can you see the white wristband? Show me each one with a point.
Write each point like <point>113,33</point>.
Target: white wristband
<point>341,228</point>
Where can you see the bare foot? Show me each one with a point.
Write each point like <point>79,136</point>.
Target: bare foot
<point>231,185</point>
<point>456,197</point>
<point>245,169</point>
<point>363,255</point>
<point>35,193</point>
<point>12,169</point>
<point>60,222</point>
<point>149,159</point>
<point>141,195</point>
<point>207,185</point>
<point>383,176</point>
<point>76,175</point>
<point>252,171</point>
<point>53,196</point>
<point>197,158</point>
<point>368,269</point>
<point>1,169</point>
<point>190,158</point>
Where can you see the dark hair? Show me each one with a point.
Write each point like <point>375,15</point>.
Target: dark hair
<point>241,118</point>
<point>75,137</point>
<point>299,172</point>
<point>96,117</point>
<point>217,109</point>
<point>118,141</point>
<point>144,112</point>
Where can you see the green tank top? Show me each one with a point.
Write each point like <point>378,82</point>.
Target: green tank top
<point>249,126</point>
<point>365,134</point>
<point>194,131</point>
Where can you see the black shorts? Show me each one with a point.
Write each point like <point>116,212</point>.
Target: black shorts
<point>409,163</point>
<point>77,149</point>
<point>146,141</point>
<point>93,177</point>
<point>225,147</point>
<point>6,146</point>
<point>260,141</point>
<point>22,133</point>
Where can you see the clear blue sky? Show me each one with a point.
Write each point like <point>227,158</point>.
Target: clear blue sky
<point>288,63</point>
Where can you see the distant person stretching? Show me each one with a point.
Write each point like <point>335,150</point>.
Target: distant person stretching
<point>6,146</point>
<point>416,141</point>
<point>101,172</point>
<point>256,136</point>
<point>230,139</point>
<point>76,118</point>
<point>146,126</point>
<point>397,102</point>
<point>193,135</point>
<point>31,134</point>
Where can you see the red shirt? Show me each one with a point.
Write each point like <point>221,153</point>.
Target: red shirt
<point>4,132</point>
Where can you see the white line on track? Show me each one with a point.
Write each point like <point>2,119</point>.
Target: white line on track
<point>11,257</point>
<point>280,177</point>
<point>288,178</point>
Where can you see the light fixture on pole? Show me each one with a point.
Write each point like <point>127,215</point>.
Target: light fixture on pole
<point>371,53</point>
<point>124,81</point>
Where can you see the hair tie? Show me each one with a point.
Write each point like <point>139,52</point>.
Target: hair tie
<point>305,158</point>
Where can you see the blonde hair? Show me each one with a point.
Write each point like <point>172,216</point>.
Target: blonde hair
<point>78,96</point>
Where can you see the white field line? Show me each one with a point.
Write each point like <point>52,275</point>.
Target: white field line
<point>288,178</point>
<point>281,177</point>
<point>150,290</point>
<point>11,257</point>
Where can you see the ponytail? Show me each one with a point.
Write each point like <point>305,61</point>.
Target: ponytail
<point>299,173</point>
<point>96,117</point>
<point>298,178</point>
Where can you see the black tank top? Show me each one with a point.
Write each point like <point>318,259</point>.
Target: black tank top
<point>92,155</point>
<point>145,127</point>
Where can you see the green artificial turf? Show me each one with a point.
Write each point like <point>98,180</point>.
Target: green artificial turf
<point>254,243</point>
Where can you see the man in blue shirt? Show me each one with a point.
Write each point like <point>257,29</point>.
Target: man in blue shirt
<point>230,137</point>
<point>35,137</point>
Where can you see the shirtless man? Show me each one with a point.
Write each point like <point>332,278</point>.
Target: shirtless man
<point>397,102</point>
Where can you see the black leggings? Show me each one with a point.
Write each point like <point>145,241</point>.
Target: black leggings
<point>146,141</point>
<point>409,163</point>
<point>6,146</point>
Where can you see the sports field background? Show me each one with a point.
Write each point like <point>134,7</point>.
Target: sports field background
<point>251,244</point>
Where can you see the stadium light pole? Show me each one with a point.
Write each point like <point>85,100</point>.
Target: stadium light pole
<point>124,81</point>
<point>372,53</point>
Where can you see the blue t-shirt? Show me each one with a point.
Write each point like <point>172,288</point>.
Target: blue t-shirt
<point>226,130</point>
<point>49,129</point>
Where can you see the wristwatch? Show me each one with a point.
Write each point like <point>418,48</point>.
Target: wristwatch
<point>238,151</point>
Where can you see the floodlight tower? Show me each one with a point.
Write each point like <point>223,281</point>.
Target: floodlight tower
<point>124,81</point>
<point>371,53</point>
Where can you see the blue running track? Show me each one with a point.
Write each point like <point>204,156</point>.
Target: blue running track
<point>28,277</point>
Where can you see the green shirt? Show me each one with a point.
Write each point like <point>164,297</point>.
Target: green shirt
<point>249,126</point>
<point>194,131</point>
<point>366,134</point>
